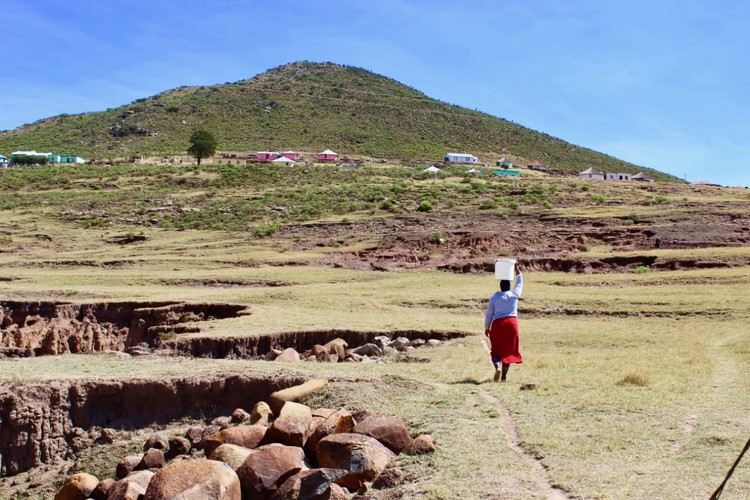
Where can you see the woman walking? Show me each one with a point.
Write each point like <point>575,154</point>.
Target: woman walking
<point>501,326</point>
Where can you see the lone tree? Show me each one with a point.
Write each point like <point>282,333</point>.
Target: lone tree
<point>202,145</point>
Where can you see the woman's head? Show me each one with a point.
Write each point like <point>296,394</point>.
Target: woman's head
<point>505,285</point>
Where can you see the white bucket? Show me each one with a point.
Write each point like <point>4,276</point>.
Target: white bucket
<point>504,269</point>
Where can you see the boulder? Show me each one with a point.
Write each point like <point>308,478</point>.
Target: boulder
<point>106,436</point>
<point>422,444</point>
<point>389,430</point>
<point>267,467</point>
<point>292,425</point>
<point>318,349</point>
<point>417,343</point>
<point>102,489</point>
<point>323,357</point>
<point>338,347</point>
<point>389,351</point>
<point>231,454</point>
<point>288,355</point>
<point>367,350</point>
<point>152,459</point>
<point>295,393</point>
<point>326,422</point>
<point>159,440</point>
<point>223,422</point>
<point>178,445</point>
<point>131,487</point>
<point>194,435</point>
<point>363,456</point>
<point>194,479</point>
<point>261,413</point>
<point>127,465</point>
<point>239,416</point>
<point>389,478</point>
<point>381,341</point>
<point>399,342</point>
<point>77,487</point>
<point>312,484</point>
<point>210,430</point>
<point>433,343</point>
<point>248,436</point>
<point>352,357</point>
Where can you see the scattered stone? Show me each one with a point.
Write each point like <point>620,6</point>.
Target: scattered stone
<point>337,346</point>
<point>106,436</point>
<point>127,465</point>
<point>400,342</point>
<point>249,436</point>
<point>288,355</point>
<point>152,459</point>
<point>421,445</point>
<point>77,487</point>
<point>389,351</point>
<point>261,413</point>
<point>364,457</point>
<point>417,343</point>
<point>318,349</point>
<point>266,468</point>
<point>312,484</point>
<point>208,431</point>
<point>390,431</point>
<point>381,341</point>
<point>231,454</point>
<point>159,440</point>
<point>323,357</point>
<point>195,479</point>
<point>101,490</point>
<point>194,435</point>
<point>388,479</point>
<point>130,487</point>
<point>239,415</point>
<point>433,343</point>
<point>292,425</point>
<point>222,422</point>
<point>527,387</point>
<point>367,350</point>
<point>355,358</point>
<point>178,445</point>
<point>295,393</point>
<point>326,422</point>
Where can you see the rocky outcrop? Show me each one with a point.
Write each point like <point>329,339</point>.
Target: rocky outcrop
<point>205,479</point>
<point>364,457</point>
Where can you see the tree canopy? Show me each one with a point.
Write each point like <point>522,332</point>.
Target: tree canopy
<point>202,145</point>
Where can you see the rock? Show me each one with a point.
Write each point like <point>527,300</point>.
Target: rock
<point>311,359</point>
<point>363,456</point>
<point>360,415</point>
<point>292,425</point>
<point>231,454</point>
<point>266,468</point>
<point>400,342</point>
<point>326,422</point>
<point>106,436</point>
<point>333,358</point>
<point>261,413</point>
<point>389,351</point>
<point>338,347</point>
<point>101,490</point>
<point>239,415</point>
<point>391,431</point>
<point>381,341</point>
<point>77,487</point>
<point>422,444</point>
<point>159,441</point>
<point>127,465</point>
<point>249,436</point>
<point>318,349</point>
<point>388,479</point>
<point>222,422</point>
<point>367,350</point>
<point>311,484</point>
<point>433,343</point>
<point>355,358</point>
<point>417,343</point>
<point>152,459</point>
<point>194,435</point>
<point>295,393</point>
<point>178,445</point>
<point>210,430</point>
<point>323,357</point>
<point>288,355</point>
<point>131,487</point>
<point>195,479</point>
<point>273,354</point>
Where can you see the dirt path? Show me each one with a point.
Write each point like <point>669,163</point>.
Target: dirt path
<point>511,435</point>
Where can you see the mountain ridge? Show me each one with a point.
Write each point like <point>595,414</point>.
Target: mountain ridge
<point>308,106</point>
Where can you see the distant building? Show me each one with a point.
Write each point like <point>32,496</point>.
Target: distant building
<point>473,171</point>
<point>619,176</point>
<point>590,173</point>
<point>292,155</point>
<point>536,165</point>
<point>51,157</point>
<point>4,161</point>
<point>283,160</point>
<point>267,155</point>
<point>512,173</point>
<point>641,177</point>
<point>702,182</point>
<point>460,158</point>
<point>71,159</point>
<point>328,156</point>
<point>503,163</point>
<point>431,170</point>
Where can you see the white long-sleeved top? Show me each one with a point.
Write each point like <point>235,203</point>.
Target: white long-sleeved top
<point>503,304</point>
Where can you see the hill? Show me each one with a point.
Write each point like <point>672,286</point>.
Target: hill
<point>307,106</point>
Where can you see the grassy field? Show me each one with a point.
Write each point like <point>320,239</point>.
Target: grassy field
<point>635,385</point>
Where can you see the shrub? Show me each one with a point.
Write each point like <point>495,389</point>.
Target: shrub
<point>642,269</point>
<point>488,205</point>
<point>438,238</point>
<point>424,206</point>
<point>387,205</point>
<point>629,222</point>
<point>266,230</point>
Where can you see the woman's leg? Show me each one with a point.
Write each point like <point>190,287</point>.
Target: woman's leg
<point>505,372</point>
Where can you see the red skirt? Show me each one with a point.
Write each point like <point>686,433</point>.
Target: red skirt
<point>504,340</point>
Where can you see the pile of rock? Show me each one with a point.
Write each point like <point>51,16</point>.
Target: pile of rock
<point>338,350</point>
<point>282,449</point>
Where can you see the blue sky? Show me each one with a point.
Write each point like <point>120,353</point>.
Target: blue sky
<point>658,83</point>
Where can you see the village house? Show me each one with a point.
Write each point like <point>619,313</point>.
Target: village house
<point>460,158</point>
<point>267,155</point>
<point>535,165</point>
<point>4,161</point>
<point>503,163</point>
<point>283,160</point>
<point>590,173</point>
<point>71,159</point>
<point>292,155</point>
<point>50,157</point>
<point>641,177</point>
<point>431,170</point>
<point>328,156</point>
<point>619,176</point>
